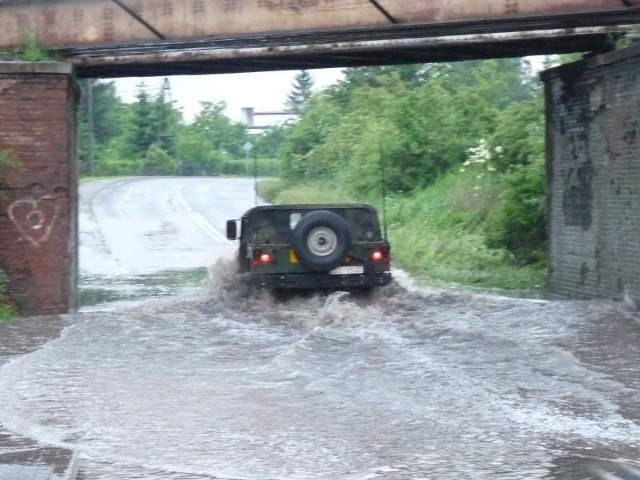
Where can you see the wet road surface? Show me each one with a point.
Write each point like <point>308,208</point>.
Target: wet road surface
<point>408,384</point>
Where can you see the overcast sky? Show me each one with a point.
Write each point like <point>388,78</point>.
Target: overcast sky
<point>265,91</point>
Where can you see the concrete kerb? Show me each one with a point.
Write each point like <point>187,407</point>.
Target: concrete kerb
<point>39,463</point>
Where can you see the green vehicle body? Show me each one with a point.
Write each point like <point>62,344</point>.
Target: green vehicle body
<point>312,246</point>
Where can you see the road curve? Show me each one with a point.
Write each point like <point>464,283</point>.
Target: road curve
<point>144,225</point>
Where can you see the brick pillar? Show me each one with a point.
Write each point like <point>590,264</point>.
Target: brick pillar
<point>38,193</point>
<point>593,153</point>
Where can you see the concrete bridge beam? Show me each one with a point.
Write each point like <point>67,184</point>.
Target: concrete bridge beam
<point>38,190</point>
<point>99,22</point>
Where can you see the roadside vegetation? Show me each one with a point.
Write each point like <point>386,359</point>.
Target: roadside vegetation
<point>456,151</point>
<point>452,154</point>
<point>6,311</point>
<point>150,137</point>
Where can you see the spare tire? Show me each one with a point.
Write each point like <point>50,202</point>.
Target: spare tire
<point>321,240</point>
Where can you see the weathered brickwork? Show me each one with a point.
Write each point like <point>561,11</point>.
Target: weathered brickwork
<point>593,166</point>
<point>38,195</point>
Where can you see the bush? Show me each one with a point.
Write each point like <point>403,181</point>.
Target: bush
<point>234,167</point>
<point>6,311</point>
<point>520,225</point>
<point>158,162</point>
<point>436,233</point>
<point>116,167</point>
<point>268,167</point>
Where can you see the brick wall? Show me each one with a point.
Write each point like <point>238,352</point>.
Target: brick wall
<point>593,166</point>
<point>38,196</point>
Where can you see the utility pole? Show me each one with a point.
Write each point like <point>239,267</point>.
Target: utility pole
<point>90,122</point>
<point>172,135</point>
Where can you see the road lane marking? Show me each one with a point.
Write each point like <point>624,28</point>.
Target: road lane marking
<point>203,223</point>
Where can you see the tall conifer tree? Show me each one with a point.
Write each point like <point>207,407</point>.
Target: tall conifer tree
<point>301,91</point>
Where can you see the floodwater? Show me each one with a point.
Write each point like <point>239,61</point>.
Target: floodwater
<point>407,384</point>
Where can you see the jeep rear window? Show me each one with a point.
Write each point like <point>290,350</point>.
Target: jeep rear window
<point>275,226</point>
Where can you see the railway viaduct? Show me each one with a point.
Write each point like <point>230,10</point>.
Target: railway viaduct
<point>593,119</point>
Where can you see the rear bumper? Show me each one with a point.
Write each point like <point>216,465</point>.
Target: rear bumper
<point>320,281</point>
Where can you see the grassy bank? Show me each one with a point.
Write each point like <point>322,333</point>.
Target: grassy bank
<point>6,311</point>
<point>439,234</point>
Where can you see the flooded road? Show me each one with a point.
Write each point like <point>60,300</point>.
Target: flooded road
<point>409,384</point>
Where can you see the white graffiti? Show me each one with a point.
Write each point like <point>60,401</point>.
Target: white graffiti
<point>34,219</point>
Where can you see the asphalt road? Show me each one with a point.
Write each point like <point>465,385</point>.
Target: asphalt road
<point>146,225</point>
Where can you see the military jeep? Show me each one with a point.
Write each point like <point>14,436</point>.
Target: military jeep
<point>310,247</point>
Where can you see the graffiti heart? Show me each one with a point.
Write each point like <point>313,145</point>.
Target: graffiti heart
<point>35,219</point>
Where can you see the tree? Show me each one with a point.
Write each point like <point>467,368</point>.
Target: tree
<point>197,156</point>
<point>412,74</point>
<point>144,132</point>
<point>520,133</point>
<point>421,118</point>
<point>520,224</point>
<point>306,134</point>
<point>166,123</point>
<point>100,120</point>
<point>220,132</point>
<point>301,92</point>
<point>158,162</point>
<point>269,140</point>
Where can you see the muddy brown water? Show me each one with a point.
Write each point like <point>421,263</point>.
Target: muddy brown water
<point>409,384</point>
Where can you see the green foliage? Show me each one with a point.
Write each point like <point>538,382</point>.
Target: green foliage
<point>109,120</point>
<point>6,312</point>
<point>301,92</point>
<point>218,131</point>
<point>166,120</point>
<point>519,225</point>
<point>123,135</point>
<point>144,131</point>
<point>158,162</point>
<point>459,147</point>
<point>310,131</point>
<point>7,159</point>
<point>437,234</point>
<point>268,141</point>
<point>374,77</point>
<point>197,155</point>
<point>31,50</point>
<point>115,159</point>
<point>631,37</point>
<point>235,167</point>
<point>520,133</point>
<point>419,122</point>
<point>277,190</point>
<point>267,167</point>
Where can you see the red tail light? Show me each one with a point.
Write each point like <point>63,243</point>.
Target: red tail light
<point>263,257</point>
<point>379,255</point>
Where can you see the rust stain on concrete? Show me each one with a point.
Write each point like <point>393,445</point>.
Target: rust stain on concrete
<point>89,22</point>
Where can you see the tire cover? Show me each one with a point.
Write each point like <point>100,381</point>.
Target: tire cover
<point>321,239</point>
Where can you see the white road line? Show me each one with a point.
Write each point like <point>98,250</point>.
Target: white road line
<point>203,224</point>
